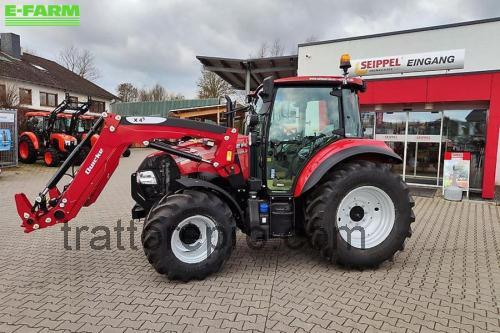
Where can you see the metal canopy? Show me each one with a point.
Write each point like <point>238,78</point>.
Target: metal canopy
<point>247,74</point>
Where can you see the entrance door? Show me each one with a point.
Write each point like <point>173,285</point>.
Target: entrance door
<point>423,147</point>
<point>390,127</point>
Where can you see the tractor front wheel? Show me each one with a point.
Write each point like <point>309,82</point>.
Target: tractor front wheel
<point>360,215</point>
<point>51,157</point>
<point>188,235</point>
<point>27,151</point>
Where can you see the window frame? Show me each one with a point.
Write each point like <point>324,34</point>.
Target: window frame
<point>21,96</point>
<point>47,99</point>
<point>98,106</point>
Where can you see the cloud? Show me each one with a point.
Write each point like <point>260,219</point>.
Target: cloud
<point>145,42</point>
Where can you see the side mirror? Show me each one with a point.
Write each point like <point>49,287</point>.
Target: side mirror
<point>267,89</point>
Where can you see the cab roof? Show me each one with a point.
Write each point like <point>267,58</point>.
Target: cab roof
<point>319,80</point>
<point>60,115</point>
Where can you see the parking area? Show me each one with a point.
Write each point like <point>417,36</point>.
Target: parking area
<point>447,279</point>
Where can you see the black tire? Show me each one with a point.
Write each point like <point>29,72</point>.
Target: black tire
<point>54,159</point>
<point>32,153</point>
<point>82,155</point>
<point>324,201</point>
<point>165,217</point>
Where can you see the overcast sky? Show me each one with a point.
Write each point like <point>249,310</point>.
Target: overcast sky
<point>145,42</point>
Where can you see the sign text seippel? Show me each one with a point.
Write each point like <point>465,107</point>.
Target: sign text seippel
<point>417,62</point>
<point>41,15</point>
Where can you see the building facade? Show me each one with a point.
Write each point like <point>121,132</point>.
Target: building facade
<point>429,91</point>
<point>32,83</point>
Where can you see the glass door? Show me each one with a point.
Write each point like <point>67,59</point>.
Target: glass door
<point>423,147</point>
<point>390,127</point>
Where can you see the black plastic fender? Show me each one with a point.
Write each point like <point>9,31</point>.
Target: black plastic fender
<point>362,151</point>
<point>194,183</point>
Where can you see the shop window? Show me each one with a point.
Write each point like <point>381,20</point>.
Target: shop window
<point>48,99</point>
<point>368,122</point>
<point>465,130</point>
<point>25,96</point>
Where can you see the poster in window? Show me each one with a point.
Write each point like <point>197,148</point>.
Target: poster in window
<point>456,170</point>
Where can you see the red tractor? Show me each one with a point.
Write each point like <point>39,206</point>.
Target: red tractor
<point>302,167</point>
<point>53,135</point>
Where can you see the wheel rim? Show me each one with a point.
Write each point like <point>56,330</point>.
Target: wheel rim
<point>48,158</point>
<point>190,241</point>
<point>365,217</point>
<point>23,150</point>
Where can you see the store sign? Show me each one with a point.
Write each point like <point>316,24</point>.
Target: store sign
<point>409,137</point>
<point>417,62</point>
<point>456,170</point>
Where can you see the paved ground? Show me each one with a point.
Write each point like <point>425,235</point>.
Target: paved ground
<point>447,279</point>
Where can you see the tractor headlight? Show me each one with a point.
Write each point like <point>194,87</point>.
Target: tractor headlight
<point>146,177</point>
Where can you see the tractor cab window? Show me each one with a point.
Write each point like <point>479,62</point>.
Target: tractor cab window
<point>352,120</point>
<point>35,124</point>
<point>303,120</point>
<point>84,125</point>
<point>61,125</point>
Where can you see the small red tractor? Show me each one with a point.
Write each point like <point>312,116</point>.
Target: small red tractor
<point>53,135</point>
<point>302,166</point>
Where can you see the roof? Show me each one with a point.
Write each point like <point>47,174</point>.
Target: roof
<point>233,71</point>
<point>41,71</point>
<point>160,108</point>
<point>59,115</point>
<point>400,32</point>
<point>319,80</point>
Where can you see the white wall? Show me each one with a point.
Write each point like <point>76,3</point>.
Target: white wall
<point>480,42</point>
<point>35,94</point>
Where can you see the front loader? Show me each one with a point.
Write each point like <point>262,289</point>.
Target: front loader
<point>301,167</point>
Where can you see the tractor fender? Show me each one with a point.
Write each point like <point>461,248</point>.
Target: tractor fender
<point>60,138</point>
<point>93,139</point>
<point>32,136</point>
<point>337,152</point>
<point>193,183</point>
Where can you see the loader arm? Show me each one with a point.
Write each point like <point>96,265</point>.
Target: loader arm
<point>54,206</point>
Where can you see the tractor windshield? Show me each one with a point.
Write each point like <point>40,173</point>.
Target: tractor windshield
<point>35,124</point>
<point>303,119</point>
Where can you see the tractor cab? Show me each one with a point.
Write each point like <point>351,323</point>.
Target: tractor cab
<point>298,116</point>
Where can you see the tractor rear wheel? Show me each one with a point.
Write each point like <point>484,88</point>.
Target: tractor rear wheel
<point>188,235</point>
<point>360,215</point>
<point>51,157</point>
<point>27,151</point>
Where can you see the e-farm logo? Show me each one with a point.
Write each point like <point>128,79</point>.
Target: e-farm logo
<point>42,15</point>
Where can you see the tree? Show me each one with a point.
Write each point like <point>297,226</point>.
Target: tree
<point>274,49</point>
<point>127,92</point>
<point>156,94</point>
<point>210,85</point>
<point>11,97</point>
<point>79,61</point>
